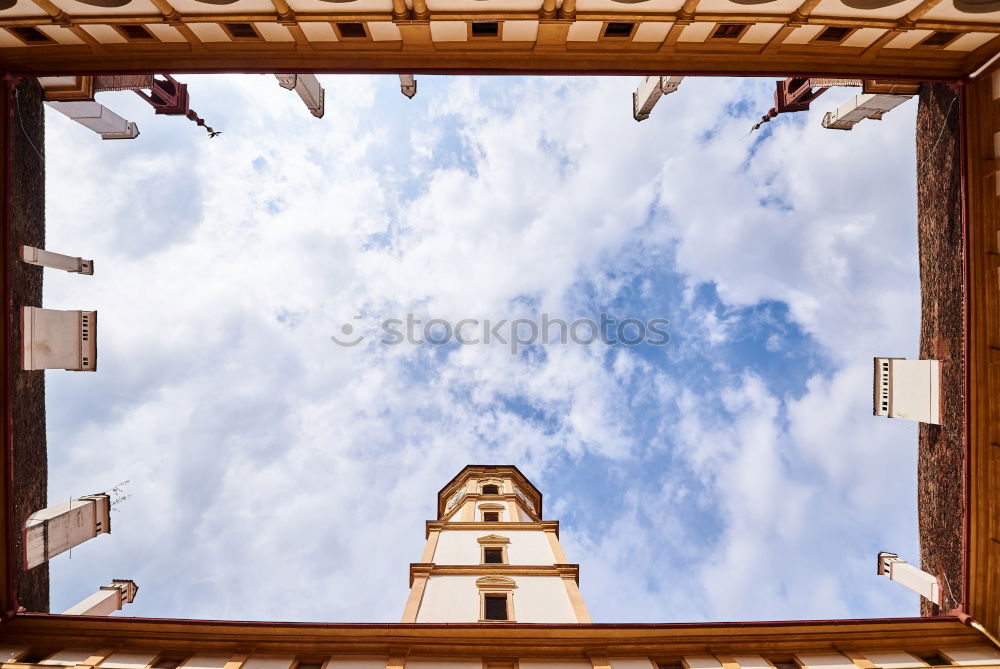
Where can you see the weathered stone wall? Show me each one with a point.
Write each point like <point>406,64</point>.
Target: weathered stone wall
<point>28,227</point>
<point>939,207</point>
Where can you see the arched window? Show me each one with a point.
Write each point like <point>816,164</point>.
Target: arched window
<point>491,489</point>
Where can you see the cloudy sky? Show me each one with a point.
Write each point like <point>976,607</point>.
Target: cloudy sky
<point>735,473</point>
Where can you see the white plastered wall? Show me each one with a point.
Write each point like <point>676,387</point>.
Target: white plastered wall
<point>455,599</point>
<point>631,663</point>
<point>444,664</point>
<point>357,663</point>
<point>462,547</point>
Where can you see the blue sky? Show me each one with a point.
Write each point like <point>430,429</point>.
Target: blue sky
<point>734,474</point>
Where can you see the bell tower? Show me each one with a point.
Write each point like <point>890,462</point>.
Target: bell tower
<point>491,558</point>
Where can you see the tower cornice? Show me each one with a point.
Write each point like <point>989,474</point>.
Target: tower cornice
<point>567,571</point>
<point>438,525</point>
<point>531,494</point>
<point>478,497</point>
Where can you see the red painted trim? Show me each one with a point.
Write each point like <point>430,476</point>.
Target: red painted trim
<point>7,374</point>
<point>966,324</point>
<point>525,626</point>
<point>768,74</point>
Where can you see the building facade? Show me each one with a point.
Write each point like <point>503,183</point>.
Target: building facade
<point>491,558</point>
<point>493,591</point>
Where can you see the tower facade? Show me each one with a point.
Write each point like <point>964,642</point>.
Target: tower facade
<point>491,558</point>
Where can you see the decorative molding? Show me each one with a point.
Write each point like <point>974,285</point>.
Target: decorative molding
<point>495,583</point>
<point>493,540</point>
<point>501,57</point>
<point>82,89</point>
<point>456,640</point>
<point>564,571</point>
<point>546,525</point>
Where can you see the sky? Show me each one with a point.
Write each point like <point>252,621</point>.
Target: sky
<point>733,473</point>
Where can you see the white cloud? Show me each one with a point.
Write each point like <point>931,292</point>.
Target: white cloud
<point>255,446</point>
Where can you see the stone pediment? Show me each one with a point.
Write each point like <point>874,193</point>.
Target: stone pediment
<point>493,540</point>
<point>495,583</point>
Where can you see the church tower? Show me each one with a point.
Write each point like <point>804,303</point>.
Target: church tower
<point>491,558</point>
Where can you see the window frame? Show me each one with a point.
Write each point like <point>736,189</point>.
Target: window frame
<point>229,33</point>
<point>715,37</point>
<point>847,36</point>
<point>25,41</point>
<point>492,547</point>
<point>484,595</point>
<point>121,30</point>
<point>352,38</point>
<point>484,38</point>
<point>924,45</point>
<point>618,38</point>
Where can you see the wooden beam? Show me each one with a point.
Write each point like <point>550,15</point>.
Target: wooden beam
<point>779,37</point>
<point>509,57</point>
<point>871,51</point>
<point>687,11</point>
<point>669,43</point>
<point>284,12</point>
<point>802,13</point>
<point>565,642</point>
<point>917,12</point>
<point>300,37</point>
<point>980,56</point>
<point>87,37</point>
<point>170,14</point>
<point>58,15</point>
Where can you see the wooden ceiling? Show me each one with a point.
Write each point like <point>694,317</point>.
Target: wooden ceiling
<point>899,38</point>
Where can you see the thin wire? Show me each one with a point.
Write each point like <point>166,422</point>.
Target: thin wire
<point>954,601</point>
<point>17,103</point>
<point>944,124</point>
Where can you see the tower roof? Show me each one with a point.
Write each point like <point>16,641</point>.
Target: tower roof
<point>520,480</point>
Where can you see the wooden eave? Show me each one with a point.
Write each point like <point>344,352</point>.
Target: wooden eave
<point>917,635</point>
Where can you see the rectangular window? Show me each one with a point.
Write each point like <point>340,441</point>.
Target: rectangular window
<point>241,31</point>
<point>485,29</point>
<point>495,607</point>
<point>491,516</point>
<point>134,31</point>
<point>833,34</point>
<point>168,661</point>
<point>940,38</point>
<point>351,30</point>
<point>489,489</point>
<point>492,556</point>
<point>29,35</point>
<point>620,30</point>
<point>729,30</point>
